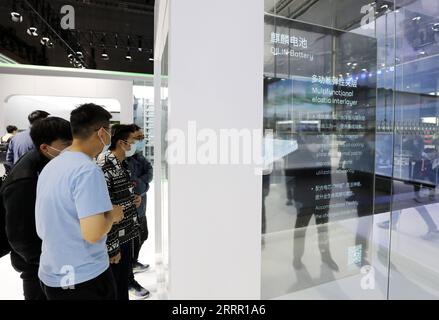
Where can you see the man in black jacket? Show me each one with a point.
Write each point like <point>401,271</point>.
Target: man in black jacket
<point>18,192</point>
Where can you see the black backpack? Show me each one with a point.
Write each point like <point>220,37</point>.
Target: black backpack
<point>5,247</point>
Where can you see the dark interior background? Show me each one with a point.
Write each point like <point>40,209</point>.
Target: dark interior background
<point>118,27</point>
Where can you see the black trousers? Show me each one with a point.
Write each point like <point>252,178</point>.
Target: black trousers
<point>138,242</point>
<point>31,286</point>
<point>100,288</point>
<point>121,271</point>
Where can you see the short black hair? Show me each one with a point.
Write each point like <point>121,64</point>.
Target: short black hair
<point>11,129</point>
<point>37,115</point>
<point>120,132</point>
<point>50,129</point>
<point>136,127</point>
<point>87,119</point>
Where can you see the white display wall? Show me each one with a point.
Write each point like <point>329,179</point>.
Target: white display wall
<point>67,91</point>
<point>215,79</point>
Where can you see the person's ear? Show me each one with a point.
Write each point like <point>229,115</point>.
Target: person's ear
<point>100,132</point>
<point>43,148</point>
<point>101,135</point>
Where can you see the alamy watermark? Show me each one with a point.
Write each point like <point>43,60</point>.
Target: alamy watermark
<point>68,279</point>
<point>253,147</point>
<point>68,18</point>
<point>368,278</point>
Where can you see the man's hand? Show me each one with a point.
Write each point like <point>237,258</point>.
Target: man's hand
<point>137,200</point>
<point>117,214</point>
<point>116,259</point>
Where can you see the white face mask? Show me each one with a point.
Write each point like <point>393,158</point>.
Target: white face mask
<point>132,151</point>
<point>106,146</point>
<point>59,151</point>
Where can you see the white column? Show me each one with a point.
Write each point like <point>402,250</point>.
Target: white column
<point>215,79</point>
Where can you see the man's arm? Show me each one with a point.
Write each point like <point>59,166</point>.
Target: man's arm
<point>91,196</point>
<point>95,227</point>
<point>147,168</point>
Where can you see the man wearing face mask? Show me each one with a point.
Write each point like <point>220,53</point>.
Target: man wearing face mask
<point>141,172</point>
<point>74,213</point>
<point>18,193</point>
<point>121,190</point>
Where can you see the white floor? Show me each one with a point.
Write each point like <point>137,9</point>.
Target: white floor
<point>11,285</point>
<point>414,272</point>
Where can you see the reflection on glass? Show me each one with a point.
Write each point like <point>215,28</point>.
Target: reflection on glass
<point>373,215</point>
<point>322,115</point>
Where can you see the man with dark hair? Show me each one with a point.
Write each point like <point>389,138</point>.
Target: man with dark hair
<point>11,131</point>
<point>141,173</point>
<point>120,238</point>
<point>74,214</point>
<point>4,144</point>
<point>18,194</point>
<point>22,142</point>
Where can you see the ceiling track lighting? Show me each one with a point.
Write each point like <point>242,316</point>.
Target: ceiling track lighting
<point>91,43</point>
<point>105,55</point>
<point>128,56</point>
<point>16,15</point>
<point>45,39</point>
<point>140,44</point>
<point>116,41</point>
<point>47,42</point>
<point>75,61</point>
<point>32,30</point>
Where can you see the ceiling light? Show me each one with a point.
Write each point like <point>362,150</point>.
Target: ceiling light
<point>16,15</point>
<point>128,56</point>
<point>116,41</point>
<point>140,44</point>
<point>32,30</point>
<point>105,55</point>
<point>45,41</point>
